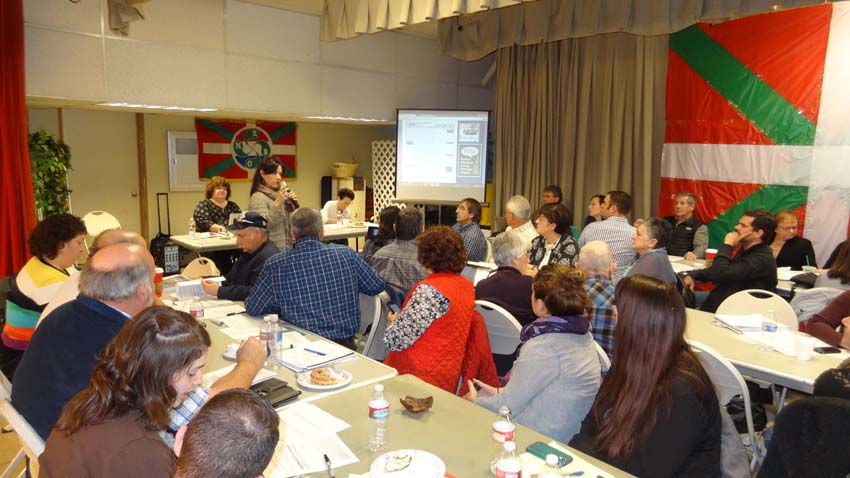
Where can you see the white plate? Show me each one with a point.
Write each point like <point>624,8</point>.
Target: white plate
<point>229,356</point>
<point>304,381</point>
<point>422,465</point>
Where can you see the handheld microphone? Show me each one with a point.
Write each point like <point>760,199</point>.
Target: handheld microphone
<point>294,202</point>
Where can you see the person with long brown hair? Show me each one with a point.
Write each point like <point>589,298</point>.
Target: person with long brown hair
<point>837,275</point>
<point>112,427</point>
<point>274,201</point>
<point>656,414</point>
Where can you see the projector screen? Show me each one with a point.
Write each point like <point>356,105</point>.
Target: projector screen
<point>441,155</point>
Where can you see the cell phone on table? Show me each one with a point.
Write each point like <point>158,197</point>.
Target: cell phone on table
<point>394,307</point>
<point>540,450</point>
<point>828,350</point>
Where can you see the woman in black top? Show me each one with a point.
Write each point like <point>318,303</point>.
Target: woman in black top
<point>386,232</point>
<point>789,249</point>
<point>656,414</point>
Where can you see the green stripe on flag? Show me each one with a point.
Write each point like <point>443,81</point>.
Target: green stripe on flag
<point>282,131</point>
<point>221,130</point>
<point>288,172</point>
<point>754,98</point>
<point>770,197</point>
<point>219,167</point>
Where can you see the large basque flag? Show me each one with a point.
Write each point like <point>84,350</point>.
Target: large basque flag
<point>758,116</point>
<point>233,149</point>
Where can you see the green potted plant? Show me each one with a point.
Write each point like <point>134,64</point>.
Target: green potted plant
<point>50,160</point>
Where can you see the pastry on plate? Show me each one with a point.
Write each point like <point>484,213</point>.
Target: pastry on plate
<point>324,376</point>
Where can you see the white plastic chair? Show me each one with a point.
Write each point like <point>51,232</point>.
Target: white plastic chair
<point>489,256</point>
<point>31,443</point>
<point>728,382</point>
<point>370,312</point>
<point>604,361</point>
<point>201,267</point>
<point>754,301</point>
<point>97,222</point>
<point>375,347</point>
<point>502,328</point>
<point>6,394</point>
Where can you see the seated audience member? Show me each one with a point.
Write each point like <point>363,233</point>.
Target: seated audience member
<point>833,255</point>
<point>509,286</point>
<point>753,267</point>
<point>213,215</point>
<point>70,289</point>
<point>834,382</point>
<point>468,214</point>
<point>253,238</point>
<point>233,436</point>
<point>594,210</point>
<point>54,244</point>
<point>315,285</point>
<point>823,325</point>
<point>398,263</point>
<point>112,427</point>
<point>518,216</point>
<point>596,262</point>
<point>789,249</point>
<point>386,233</point>
<point>552,194</point>
<point>649,242</point>
<point>557,361</point>
<point>837,275</point>
<point>335,211</point>
<point>689,238</point>
<point>555,244</point>
<point>115,284</point>
<point>615,230</point>
<point>656,413</point>
<point>428,337</point>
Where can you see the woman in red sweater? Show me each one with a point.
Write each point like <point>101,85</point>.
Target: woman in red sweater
<point>428,337</point>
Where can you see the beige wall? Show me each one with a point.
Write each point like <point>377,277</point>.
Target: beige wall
<point>95,160</point>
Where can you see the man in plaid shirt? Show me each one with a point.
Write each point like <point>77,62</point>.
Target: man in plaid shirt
<point>398,262</point>
<point>596,262</point>
<point>315,285</point>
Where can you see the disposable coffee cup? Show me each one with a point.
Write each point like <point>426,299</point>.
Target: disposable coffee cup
<point>157,281</point>
<point>709,256</point>
<point>804,347</point>
<point>810,269</point>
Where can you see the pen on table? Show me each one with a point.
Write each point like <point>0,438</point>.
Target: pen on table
<point>219,323</point>
<point>330,469</point>
<point>314,352</point>
<point>235,313</point>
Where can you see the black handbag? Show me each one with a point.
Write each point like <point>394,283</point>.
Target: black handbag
<point>736,410</point>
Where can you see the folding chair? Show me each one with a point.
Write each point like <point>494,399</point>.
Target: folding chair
<point>32,444</point>
<point>502,328</point>
<point>375,347</point>
<point>201,267</point>
<point>97,222</point>
<point>604,361</point>
<point>728,383</point>
<point>370,312</point>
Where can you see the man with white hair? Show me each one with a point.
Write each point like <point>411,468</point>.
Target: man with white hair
<point>518,215</point>
<point>596,261</point>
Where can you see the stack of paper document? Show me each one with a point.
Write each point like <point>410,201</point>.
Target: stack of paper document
<point>742,322</point>
<point>193,288</point>
<point>319,353</point>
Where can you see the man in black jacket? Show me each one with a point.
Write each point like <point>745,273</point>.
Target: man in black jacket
<point>253,238</point>
<point>753,267</point>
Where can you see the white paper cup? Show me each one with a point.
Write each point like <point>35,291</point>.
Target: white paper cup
<point>810,269</point>
<point>804,347</point>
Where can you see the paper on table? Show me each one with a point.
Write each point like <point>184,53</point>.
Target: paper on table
<point>312,355</point>
<point>742,322</point>
<point>531,464</point>
<point>299,455</point>
<point>681,267</point>
<point>308,420</point>
<point>192,288</point>
<point>211,377</point>
<point>218,312</point>
<point>785,273</point>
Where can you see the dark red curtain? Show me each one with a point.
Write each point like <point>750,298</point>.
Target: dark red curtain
<point>17,204</point>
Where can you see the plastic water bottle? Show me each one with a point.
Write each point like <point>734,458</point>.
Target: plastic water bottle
<point>504,430</point>
<point>379,413</point>
<point>192,227</point>
<point>196,308</point>
<point>264,333</point>
<point>339,217</point>
<point>551,468</point>
<point>508,465</point>
<point>272,343</point>
<point>768,330</point>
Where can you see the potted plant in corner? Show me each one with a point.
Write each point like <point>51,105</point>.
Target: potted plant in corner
<point>50,161</point>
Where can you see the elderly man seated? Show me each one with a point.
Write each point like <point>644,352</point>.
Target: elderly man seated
<point>253,238</point>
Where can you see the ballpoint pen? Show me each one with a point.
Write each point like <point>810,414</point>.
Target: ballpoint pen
<point>235,313</point>
<point>330,469</point>
<point>315,352</point>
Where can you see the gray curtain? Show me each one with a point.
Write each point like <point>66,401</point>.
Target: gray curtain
<point>586,114</point>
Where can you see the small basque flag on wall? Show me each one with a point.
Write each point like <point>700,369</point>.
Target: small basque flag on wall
<point>758,116</point>
<point>233,149</point>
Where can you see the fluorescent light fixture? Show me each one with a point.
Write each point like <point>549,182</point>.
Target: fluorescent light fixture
<point>345,118</point>
<point>122,104</point>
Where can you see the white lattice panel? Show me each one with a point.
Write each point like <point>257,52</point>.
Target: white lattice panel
<point>383,173</point>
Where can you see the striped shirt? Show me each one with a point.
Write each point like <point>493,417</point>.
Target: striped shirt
<point>617,233</point>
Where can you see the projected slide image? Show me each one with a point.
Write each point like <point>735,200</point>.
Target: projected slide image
<point>469,132</point>
<point>469,161</point>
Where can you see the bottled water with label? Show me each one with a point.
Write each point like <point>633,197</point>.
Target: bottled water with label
<point>379,412</point>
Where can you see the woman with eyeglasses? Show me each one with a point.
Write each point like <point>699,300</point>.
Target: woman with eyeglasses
<point>656,414</point>
<point>789,249</point>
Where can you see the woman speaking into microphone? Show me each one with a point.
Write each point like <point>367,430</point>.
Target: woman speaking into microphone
<point>273,200</point>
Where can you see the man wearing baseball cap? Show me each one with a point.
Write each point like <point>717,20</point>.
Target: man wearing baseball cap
<point>252,237</point>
